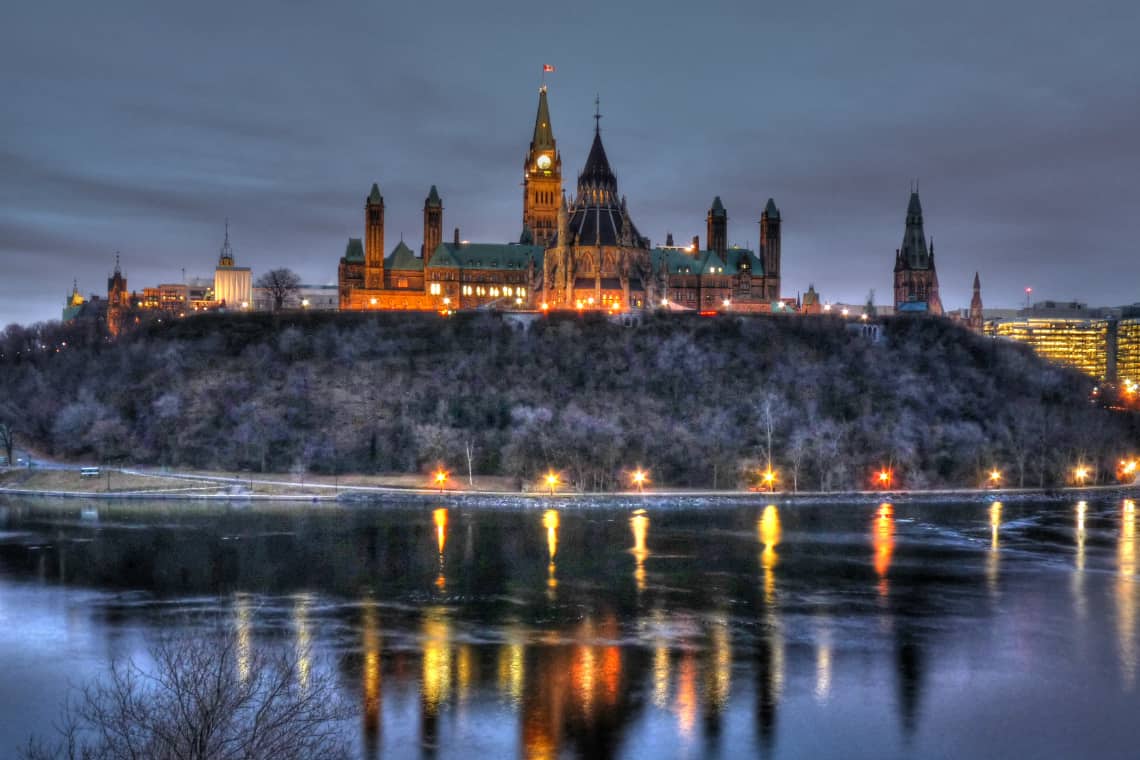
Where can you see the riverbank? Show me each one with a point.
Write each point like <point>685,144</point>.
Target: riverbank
<point>138,484</point>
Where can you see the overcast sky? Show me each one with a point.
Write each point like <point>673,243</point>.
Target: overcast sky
<point>140,126</point>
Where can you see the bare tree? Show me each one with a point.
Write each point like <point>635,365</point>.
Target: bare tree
<point>281,284</point>
<point>7,441</point>
<point>205,698</point>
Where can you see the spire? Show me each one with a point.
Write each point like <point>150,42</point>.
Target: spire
<point>374,195</point>
<point>226,254</point>
<point>977,283</point>
<point>597,175</point>
<point>771,210</point>
<point>433,199</point>
<point>914,253</point>
<point>543,135</point>
<point>717,207</point>
<point>117,269</point>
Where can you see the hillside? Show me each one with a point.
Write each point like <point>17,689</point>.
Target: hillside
<point>690,399</point>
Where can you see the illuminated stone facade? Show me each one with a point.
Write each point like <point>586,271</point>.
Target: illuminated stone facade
<point>916,280</point>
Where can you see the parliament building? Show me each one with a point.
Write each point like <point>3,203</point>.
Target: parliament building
<point>581,253</point>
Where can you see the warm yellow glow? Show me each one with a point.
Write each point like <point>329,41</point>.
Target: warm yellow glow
<point>550,522</point>
<point>512,666</point>
<point>304,303</point>
<point>768,526</point>
<point>639,524</point>
<point>545,306</point>
<point>440,478</point>
<point>371,675</point>
<point>823,661</point>
<point>1125,594</point>
<point>446,301</point>
<point>686,702</point>
<point>1081,474</point>
<point>726,302</point>
<point>993,560</point>
<point>464,669</point>
<point>590,300</point>
<point>436,676</point>
<point>885,478</point>
<point>845,312</point>
<point>439,517</point>
<point>639,478</point>
<point>718,679</point>
<point>551,481</point>
<point>883,542</point>
<point>372,301</point>
<point>664,301</point>
<point>995,476</point>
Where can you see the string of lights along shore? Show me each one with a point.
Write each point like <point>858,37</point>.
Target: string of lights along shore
<point>579,249</point>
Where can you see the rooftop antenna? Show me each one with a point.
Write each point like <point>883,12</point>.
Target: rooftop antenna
<point>597,113</point>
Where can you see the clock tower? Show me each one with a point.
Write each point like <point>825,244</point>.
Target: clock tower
<point>542,179</point>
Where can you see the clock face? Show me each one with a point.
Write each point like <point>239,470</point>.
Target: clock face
<point>544,162</point>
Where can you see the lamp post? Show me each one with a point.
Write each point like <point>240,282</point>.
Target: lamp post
<point>440,479</point>
<point>639,477</point>
<point>551,481</point>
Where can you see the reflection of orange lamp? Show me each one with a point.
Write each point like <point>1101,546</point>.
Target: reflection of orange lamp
<point>440,479</point>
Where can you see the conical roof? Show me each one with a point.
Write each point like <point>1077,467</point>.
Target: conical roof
<point>771,210</point>
<point>914,254</point>
<point>597,173</point>
<point>543,135</point>
<point>717,207</point>
<point>374,194</point>
<point>433,198</point>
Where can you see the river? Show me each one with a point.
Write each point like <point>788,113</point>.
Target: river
<point>861,631</point>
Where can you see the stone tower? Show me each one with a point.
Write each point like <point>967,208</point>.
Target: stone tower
<point>433,224</point>
<point>374,239</point>
<point>770,249</point>
<point>717,229</point>
<point>542,178</point>
<point>118,300</point>
<point>916,280</point>
<point>977,321</point>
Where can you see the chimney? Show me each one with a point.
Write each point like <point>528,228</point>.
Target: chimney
<point>457,236</point>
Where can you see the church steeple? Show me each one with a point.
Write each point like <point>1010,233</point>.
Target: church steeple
<point>977,320</point>
<point>226,254</point>
<point>542,177</point>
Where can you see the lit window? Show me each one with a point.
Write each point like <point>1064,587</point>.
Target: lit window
<point>522,291</point>
<point>435,289</point>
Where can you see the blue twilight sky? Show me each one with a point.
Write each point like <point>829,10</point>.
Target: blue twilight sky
<point>139,126</point>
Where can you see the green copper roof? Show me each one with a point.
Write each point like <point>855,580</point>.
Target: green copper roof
<point>486,256</point>
<point>680,261</point>
<point>374,195</point>
<point>771,209</point>
<point>433,198</point>
<point>543,135</point>
<point>402,259</point>
<point>717,207</point>
<point>354,251</point>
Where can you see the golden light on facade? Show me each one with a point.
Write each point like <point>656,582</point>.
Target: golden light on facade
<point>845,311</point>
<point>664,301</point>
<point>545,306</point>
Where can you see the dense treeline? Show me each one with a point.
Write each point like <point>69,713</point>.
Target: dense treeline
<point>700,402</point>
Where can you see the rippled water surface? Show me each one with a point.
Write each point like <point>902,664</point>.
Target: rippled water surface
<point>853,631</point>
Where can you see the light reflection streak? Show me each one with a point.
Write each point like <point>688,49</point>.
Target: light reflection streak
<point>550,522</point>
<point>304,643</point>
<point>512,666</point>
<point>370,644</point>
<point>993,559</point>
<point>686,702</point>
<point>883,542</point>
<point>439,517</point>
<point>823,661</point>
<point>639,524</point>
<point>1126,595</point>
<point>436,659</point>
<point>768,528</point>
<point>243,625</point>
<point>1080,603</point>
<point>718,678</point>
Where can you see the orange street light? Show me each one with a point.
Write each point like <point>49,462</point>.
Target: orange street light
<point>440,479</point>
<point>885,478</point>
<point>769,478</point>
<point>1081,474</point>
<point>640,477</point>
<point>552,481</point>
<point>995,477</point>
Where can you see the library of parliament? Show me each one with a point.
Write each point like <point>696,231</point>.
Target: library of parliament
<point>582,253</point>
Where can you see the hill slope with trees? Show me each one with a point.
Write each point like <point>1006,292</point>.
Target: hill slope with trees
<point>699,402</point>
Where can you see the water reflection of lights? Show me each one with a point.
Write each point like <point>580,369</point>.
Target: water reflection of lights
<point>436,659</point>
<point>550,522</point>
<point>1126,595</point>
<point>993,560</point>
<point>718,684</point>
<point>883,541</point>
<point>512,666</point>
<point>768,527</point>
<point>439,517</point>
<point>370,641</point>
<point>686,702</point>
<point>639,523</point>
<point>243,630</point>
<point>823,661</point>
<point>304,643</point>
<point>464,669</point>
<point>1079,600</point>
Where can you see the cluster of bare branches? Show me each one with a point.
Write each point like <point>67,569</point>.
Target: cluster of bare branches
<point>203,698</point>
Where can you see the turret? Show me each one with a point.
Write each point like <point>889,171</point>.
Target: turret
<point>770,249</point>
<point>433,223</point>
<point>717,221</point>
<point>542,177</point>
<point>374,239</point>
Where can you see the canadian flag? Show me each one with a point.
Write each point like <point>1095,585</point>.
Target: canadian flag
<point>547,67</point>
